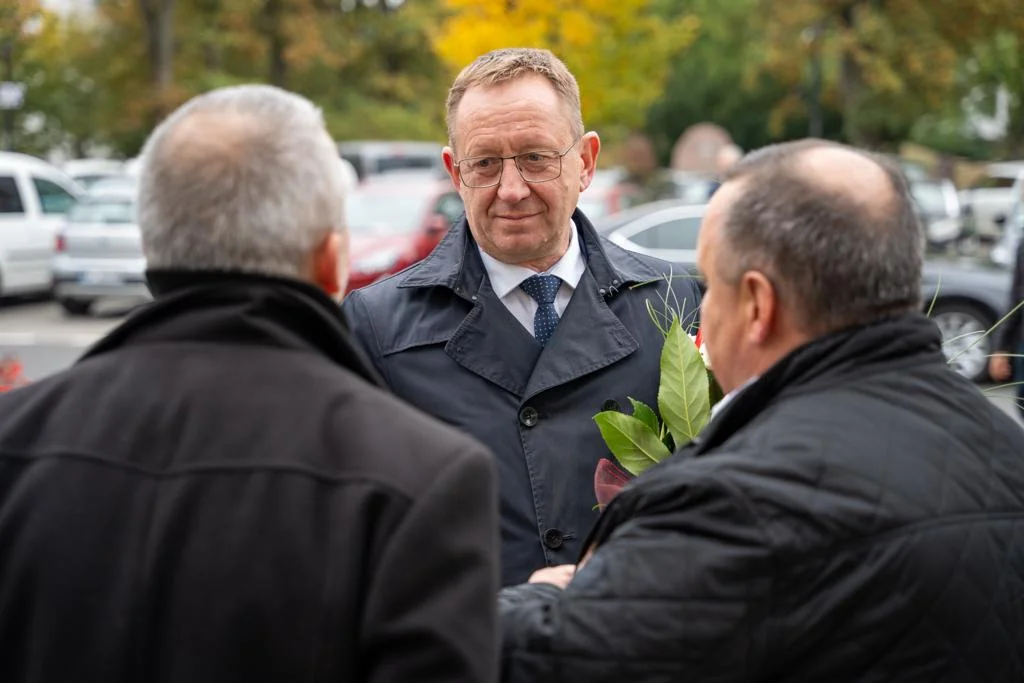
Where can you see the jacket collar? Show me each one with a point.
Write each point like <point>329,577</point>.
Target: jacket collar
<point>895,344</point>
<point>892,344</point>
<point>456,264</point>
<point>239,308</point>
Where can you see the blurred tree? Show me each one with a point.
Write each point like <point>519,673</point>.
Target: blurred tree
<point>17,19</point>
<point>158,23</point>
<point>995,78</point>
<point>63,93</point>
<point>713,82</point>
<point>886,62</point>
<point>619,50</point>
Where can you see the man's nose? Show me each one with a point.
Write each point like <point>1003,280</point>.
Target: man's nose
<point>512,187</point>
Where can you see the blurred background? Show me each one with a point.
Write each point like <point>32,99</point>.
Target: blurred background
<point>676,88</point>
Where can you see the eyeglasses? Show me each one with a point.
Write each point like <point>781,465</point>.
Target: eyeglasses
<point>534,167</point>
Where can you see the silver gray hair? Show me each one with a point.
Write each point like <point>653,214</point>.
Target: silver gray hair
<point>244,178</point>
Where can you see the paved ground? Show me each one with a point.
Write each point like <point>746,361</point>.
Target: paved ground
<point>46,340</point>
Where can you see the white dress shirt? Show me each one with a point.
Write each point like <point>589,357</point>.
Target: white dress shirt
<point>506,278</point>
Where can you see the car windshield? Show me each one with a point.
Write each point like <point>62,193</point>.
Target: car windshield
<point>102,211</point>
<point>929,197</point>
<point>378,213</point>
<point>676,233</point>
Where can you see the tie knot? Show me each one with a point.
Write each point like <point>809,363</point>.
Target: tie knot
<point>542,288</point>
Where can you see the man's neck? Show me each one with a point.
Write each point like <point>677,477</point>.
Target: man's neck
<point>547,262</point>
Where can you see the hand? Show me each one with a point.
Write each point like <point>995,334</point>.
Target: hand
<point>586,558</point>
<point>558,576</point>
<point>999,367</point>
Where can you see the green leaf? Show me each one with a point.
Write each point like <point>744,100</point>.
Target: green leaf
<point>646,414</point>
<point>631,441</point>
<point>683,397</point>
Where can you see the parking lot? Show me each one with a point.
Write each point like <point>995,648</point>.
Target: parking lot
<point>45,339</point>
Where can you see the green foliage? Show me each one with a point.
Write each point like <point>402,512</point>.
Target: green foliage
<point>714,81</point>
<point>635,445</point>
<point>683,397</point>
<point>686,392</point>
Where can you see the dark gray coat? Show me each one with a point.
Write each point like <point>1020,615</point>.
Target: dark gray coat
<point>444,342</point>
<point>221,492</point>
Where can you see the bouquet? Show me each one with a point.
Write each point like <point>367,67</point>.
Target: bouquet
<point>686,393</point>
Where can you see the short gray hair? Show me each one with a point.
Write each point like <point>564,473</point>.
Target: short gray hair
<point>839,262</point>
<point>245,179</point>
<point>508,64</point>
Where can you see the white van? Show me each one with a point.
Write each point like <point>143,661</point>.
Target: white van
<point>34,196</point>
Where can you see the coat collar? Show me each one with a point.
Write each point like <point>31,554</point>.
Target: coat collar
<point>455,263</point>
<point>239,308</point>
<point>895,343</point>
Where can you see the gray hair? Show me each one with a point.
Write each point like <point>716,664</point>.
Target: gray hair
<point>244,178</point>
<point>837,261</point>
<point>508,64</point>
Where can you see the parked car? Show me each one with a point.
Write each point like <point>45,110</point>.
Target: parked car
<point>370,157</point>
<point>99,249</point>
<point>34,196</point>
<point>938,207</point>
<point>1004,253</point>
<point>988,202</point>
<point>600,198</point>
<point>965,299</point>
<point>87,172</point>
<point>395,222</point>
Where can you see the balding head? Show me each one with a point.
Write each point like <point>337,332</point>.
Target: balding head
<point>240,179</point>
<point>832,226</point>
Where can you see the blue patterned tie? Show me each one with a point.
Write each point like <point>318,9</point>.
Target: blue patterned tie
<point>543,288</point>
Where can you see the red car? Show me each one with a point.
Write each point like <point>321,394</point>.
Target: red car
<point>396,221</point>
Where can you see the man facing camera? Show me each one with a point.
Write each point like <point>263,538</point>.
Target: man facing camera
<point>221,489</point>
<point>524,323</point>
<point>855,511</point>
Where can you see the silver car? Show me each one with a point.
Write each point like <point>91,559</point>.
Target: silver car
<point>964,299</point>
<point>99,249</point>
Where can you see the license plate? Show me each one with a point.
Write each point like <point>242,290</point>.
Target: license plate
<point>100,279</point>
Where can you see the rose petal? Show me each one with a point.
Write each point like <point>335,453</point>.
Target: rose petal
<point>609,479</point>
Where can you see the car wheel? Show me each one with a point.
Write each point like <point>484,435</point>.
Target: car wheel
<point>76,306</point>
<point>965,340</point>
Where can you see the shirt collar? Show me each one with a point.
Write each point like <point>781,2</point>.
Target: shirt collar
<point>506,277</point>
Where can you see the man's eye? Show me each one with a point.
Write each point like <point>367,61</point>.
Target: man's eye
<point>483,163</point>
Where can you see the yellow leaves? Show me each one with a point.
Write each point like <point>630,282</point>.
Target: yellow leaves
<point>619,51</point>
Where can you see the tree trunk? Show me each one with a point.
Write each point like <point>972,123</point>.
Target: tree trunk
<point>277,43</point>
<point>851,82</point>
<point>158,16</point>
<point>210,12</point>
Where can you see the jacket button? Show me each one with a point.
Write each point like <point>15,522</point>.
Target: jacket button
<point>553,538</point>
<point>528,416</point>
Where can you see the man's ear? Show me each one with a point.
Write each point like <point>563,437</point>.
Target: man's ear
<point>590,149</point>
<point>760,304</point>
<point>330,264</point>
<point>448,157</point>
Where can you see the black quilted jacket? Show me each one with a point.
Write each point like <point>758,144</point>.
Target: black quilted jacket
<point>857,514</point>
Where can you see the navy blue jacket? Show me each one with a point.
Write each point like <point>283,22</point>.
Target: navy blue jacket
<point>443,341</point>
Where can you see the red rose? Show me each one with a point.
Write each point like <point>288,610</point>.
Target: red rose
<point>609,479</point>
